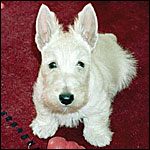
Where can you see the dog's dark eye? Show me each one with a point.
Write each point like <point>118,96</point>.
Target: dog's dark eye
<point>52,65</point>
<point>81,64</point>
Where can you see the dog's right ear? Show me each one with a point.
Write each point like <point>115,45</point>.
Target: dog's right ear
<point>87,26</point>
<point>46,25</point>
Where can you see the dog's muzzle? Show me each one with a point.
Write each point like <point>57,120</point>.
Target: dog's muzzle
<point>66,98</point>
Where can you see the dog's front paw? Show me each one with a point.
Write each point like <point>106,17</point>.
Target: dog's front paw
<point>43,129</point>
<point>97,138</point>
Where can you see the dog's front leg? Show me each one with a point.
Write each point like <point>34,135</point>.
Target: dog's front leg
<point>96,128</point>
<point>44,125</point>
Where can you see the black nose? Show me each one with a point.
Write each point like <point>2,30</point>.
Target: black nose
<point>66,98</point>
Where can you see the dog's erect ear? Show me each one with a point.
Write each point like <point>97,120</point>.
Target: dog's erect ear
<point>46,26</point>
<point>87,25</point>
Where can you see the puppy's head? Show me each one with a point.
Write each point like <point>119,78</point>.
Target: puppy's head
<point>66,58</point>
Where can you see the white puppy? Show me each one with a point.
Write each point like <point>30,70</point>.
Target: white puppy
<point>81,71</point>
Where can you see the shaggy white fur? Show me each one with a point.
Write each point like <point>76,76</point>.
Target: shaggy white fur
<point>80,73</point>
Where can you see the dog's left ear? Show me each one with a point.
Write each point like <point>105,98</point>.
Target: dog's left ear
<point>87,25</point>
<point>46,26</point>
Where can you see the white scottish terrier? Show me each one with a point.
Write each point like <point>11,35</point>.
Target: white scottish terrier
<point>80,73</point>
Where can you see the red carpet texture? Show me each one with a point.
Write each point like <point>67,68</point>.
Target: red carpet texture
<point>20,61</point>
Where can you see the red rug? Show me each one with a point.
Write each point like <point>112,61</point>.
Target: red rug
<point>20,61</point>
